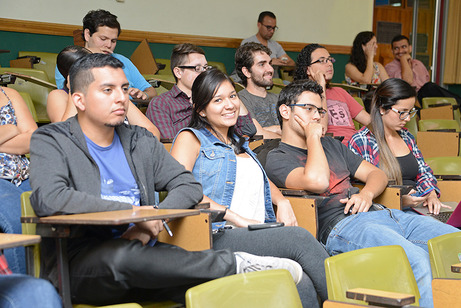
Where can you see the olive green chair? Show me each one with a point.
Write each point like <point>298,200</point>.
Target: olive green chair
<point>38,93</point>
<point>265,289</point>
<point>47,62</point>
<point>446,165</point>
<point>219,65</point>
<point>167,69</point>
<point>435,101</point>
<point>360,101</point>
<point>30,104</point>
<point>384,268</point>
<point>444,251</point>
<point>438,124</point>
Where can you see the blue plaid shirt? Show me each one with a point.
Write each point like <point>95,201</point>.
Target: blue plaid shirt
<point>364,143</point>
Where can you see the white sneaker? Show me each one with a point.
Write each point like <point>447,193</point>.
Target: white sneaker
<point>250,263</point>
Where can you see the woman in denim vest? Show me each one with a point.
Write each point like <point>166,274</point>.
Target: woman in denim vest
<point>235,182</point>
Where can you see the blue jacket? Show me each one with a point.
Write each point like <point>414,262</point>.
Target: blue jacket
<point>216,169</point>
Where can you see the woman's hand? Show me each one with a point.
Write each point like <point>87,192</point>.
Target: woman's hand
<point>238,220</point>
<point>285,213</point>
<point>433,203</point>
<point>412,201</point>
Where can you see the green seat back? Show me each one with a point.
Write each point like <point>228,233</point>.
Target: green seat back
<point>30,104</point>
<point>47,62</point>
<point>384,268</point>
<point>167,69</point>
<point>412,127</point>
<point>434,101</point>
<point>438,124</point>
<point>273,288</point>
<point>447,165</point>
<point>443,253</point>
<point>219,65</point>
<point>39,94</point>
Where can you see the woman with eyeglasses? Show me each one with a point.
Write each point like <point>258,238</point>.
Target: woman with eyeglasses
<point>388,144</point>
<point>314,62</point>
<point>234,181</point>
<point>361,67</point>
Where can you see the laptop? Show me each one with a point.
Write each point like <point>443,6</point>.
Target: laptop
<point>449,216</point>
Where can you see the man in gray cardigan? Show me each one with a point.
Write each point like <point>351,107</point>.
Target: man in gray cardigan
<point>94,162</point>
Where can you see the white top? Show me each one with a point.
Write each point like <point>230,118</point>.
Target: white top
<point>248,198</point>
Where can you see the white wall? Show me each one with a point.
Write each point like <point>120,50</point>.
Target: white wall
<point>334,22</point>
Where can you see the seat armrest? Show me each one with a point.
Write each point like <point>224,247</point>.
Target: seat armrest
<point>380,298</point>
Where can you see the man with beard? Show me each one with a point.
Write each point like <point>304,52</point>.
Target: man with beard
<point>253,66</point>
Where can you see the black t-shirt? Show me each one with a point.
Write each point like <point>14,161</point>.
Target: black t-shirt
<point>343,164</point>
<point>409,168</point>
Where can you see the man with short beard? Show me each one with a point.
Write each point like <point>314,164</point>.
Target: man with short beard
<point>253,66</point>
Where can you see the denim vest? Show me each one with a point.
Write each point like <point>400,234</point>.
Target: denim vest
<point>216,169</point>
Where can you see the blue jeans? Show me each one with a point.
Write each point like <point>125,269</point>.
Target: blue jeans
<point>392,227</point>
<point>10,221</point>
<point>25,291</point>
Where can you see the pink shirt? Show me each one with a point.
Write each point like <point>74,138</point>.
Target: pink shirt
<point>420,73</point>
<point>342,108</point>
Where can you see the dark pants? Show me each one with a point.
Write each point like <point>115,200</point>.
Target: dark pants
<point>431,89</point>
<point>118,270</point>
<point>294,243</point>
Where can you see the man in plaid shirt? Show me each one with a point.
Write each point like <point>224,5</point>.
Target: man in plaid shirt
<point>171,111</point>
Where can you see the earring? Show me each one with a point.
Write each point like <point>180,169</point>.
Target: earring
<point>202,115</point>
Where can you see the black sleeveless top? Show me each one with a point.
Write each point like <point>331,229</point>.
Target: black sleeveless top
<point>409,168</point>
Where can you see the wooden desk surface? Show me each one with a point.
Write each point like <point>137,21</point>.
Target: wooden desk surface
<point>112,217</point>
<point>8,240</point>
<point>456,268</point>
<point>381,297</point>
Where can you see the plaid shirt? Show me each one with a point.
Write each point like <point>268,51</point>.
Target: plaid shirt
<point>364,143</point>
<point>4,269</point>
<point>172,111</point>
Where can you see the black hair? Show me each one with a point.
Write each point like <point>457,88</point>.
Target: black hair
<point>100,18</point>
<point>204,89</point>
<point>290,93</point>
<point>180,53</point>
<point>358,57</point>
<point>304,60</point>
<point>264,14</point>
<point>67,57</point>
<point>399,38</point>
<point>80,75</point>
<point>244,58</point>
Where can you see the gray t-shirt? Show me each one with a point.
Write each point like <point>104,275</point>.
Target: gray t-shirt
<point>263,109</point>
<point>343,164</point>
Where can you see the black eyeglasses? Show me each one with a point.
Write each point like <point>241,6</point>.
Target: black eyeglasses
<point>270,28</point>
<point>405,114</point>
<point>323,60</point>
<point>310,109</point>
<point>196,68</point>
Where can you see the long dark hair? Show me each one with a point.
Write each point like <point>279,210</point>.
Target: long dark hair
<point>388,93</point>
<point>358,57</point>
<point>204,89</point>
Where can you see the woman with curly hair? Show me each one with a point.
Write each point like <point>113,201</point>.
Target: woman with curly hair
<point>361,67</point>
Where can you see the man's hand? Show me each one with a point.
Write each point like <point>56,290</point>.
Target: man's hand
<point>406,58</point>
<point>360,202</point>
<point>311,129</point>
<point>317,76</point>
<point>136,93</point>
<point>135,233</point>
<point>151,227</point>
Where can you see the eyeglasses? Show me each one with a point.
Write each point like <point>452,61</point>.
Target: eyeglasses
<point>323,60</point>
<point>310,109</point>
<point>404,114</point>
<point>196,68</point>
<point>270,28</point>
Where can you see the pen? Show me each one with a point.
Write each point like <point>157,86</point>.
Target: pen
<point>167,228</point>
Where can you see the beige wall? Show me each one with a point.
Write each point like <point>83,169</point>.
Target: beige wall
<point>334,22</point>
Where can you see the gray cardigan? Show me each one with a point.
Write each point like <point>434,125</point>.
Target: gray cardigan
<point>65,180</point>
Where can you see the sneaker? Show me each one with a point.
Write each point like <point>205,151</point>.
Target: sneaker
<point>250,263</point>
